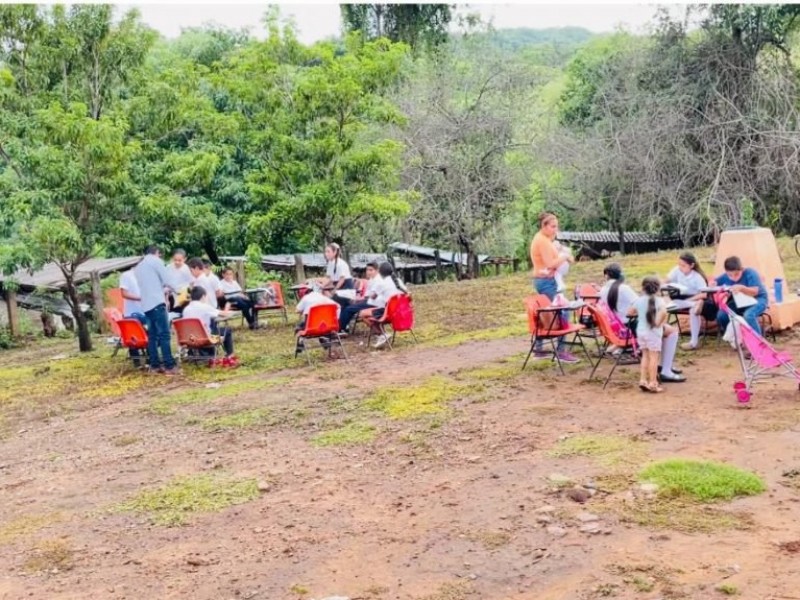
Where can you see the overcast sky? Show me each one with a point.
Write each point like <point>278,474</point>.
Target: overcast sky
<point>319,21</point>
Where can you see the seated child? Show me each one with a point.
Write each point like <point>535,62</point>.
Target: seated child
<point>198,308</point>
<point>388,286</point>
<point>236,297</point>
<point>314,298</point>
<point>371,297</point>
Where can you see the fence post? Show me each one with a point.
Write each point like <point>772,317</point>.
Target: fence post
<point>99,304</point>
<point>437,256</point>
<point>240,273</point>
<point>13,313</point>
<point>515,265</point>
<point>299,269</point>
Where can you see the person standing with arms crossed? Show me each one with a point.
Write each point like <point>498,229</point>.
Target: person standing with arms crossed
<point>546,261</point>
<point>154,279</point>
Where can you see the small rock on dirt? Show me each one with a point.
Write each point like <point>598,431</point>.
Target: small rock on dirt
<point>264,486</point>
<point>592,528</point>
<point>587,517</point>
<point>547,508</point>
<point>579,495</point>
<point>544,519</point>
<point>213,385</point>
<point>335,598</point>
<point>258,530</point>
<point>473,459</point>
<point>556,531</point>
<point>649,488</point>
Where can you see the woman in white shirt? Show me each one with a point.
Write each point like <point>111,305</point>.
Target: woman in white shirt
<point>337,271</point>
<point>690,277</point>
<point>233,293</point>
<point>620,297</point>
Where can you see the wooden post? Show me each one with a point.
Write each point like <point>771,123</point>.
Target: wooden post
<point>515,265</point>
<point>497,268</point>
<point>424,274</point>
<point>240,274</point>
<point>13,313</point>
<point>299,269</point>
<point>437,256</point>
<point>99,304</point>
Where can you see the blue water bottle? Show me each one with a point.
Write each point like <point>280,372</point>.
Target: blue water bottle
<point>779,290</point>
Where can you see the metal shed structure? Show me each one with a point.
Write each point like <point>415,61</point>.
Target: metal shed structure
<point>597,244</point>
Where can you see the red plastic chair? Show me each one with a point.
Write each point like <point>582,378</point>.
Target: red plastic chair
<point>111,316</point>
<point>278,304</point>
<point>132,335</point>
<point>115,300</point>
<point>399,315</point>
<point>193,337</point>
<point>546,325</point>
<point>322,321</point>
<point>626,345</point>
<point>378,325</point>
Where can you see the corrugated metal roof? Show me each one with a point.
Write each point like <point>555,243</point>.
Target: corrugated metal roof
<point>50,276</point>
<point>317,261</point>
<point>445,255</point>
<point>613,237</point>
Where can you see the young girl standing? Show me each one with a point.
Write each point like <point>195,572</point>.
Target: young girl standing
<point>651,311</point>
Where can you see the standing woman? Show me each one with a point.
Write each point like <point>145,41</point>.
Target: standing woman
<point>546,261</point>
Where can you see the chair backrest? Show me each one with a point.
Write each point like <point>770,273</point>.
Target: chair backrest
<point>321,320</point>
<point>112,315</point>
<point>191,333</point>
<point>533,304</point>
<point>278,290</point>
<point>402,313</point>
<point>588,292</point>
<point>603,321</point>
<point>132,333</point>
<point>114,299</point>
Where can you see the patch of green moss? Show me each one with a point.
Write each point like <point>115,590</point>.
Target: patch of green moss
<point>347,435</point>
<point>702,480</point>
<point>238,420</point>
<point>429,397</point>
<point>607,449</point>
<point>173,503</point>
<point>167,404</point>
<point>25,525</point>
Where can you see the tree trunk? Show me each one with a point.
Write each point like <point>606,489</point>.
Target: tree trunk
<point>211,251</point>
<point>84,336</point>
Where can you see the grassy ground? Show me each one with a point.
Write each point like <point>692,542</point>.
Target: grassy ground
<point>435,418</point>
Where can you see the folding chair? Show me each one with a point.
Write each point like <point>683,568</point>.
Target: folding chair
<point>626,345</point>
<point>111,316</point>
<point>115,300</point>
<point>132,336</point>
<point>193,338</point>
<point>278,303</point>
<point>589,294</point>
<point>321,322</point>
<point>544,323</point>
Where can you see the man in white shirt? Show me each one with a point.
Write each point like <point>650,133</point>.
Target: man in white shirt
<point>198,308</point>
<point>197,268</point>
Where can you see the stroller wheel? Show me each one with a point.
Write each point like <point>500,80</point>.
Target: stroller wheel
<point>739,385</point>
<point>743,396</point>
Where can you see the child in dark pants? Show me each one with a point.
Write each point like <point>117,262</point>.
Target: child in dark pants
<point>199,309</point>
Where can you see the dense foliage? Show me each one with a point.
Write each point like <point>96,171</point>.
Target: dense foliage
<point>112,137</point>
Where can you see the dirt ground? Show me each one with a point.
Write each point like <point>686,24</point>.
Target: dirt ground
<point>467,510</point>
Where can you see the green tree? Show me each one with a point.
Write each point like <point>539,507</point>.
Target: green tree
<point>73,193</point>
<point>320,163</point>
<point>418,25</point>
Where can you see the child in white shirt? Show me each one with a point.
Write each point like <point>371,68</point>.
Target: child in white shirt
<point>563,269</point>
<point>198,308</point>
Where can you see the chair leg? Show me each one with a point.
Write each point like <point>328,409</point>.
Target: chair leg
<point>414,336</point>
<point>554,343</point>
<point>614,368</point>
<point>527,358</point>
<point>285,316</point>
<point>599,360</point>
<point>341,345</point>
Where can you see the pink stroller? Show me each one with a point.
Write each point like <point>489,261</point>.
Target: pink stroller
<point>764,361</point>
